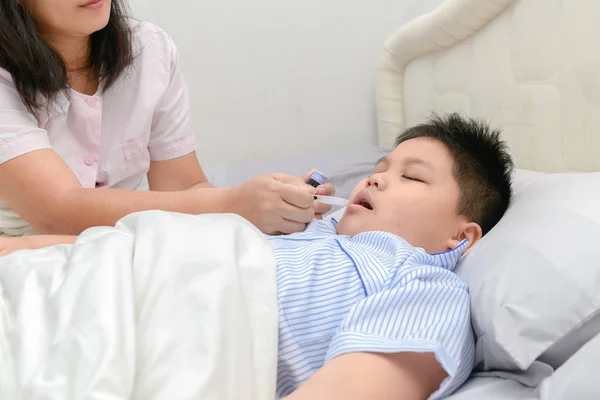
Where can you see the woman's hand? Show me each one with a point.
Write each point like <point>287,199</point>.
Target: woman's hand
<point>10,244</point>
<point>323,190</point>
<point>275,203</point>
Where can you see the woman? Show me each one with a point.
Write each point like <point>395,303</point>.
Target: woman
<point>90,104</point>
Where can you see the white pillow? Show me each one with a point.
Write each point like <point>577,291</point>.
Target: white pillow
<point>561,351</point>
<point>534,279</point>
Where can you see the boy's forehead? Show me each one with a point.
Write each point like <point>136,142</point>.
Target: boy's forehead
<point>427,152</point>
<point>427,149</point>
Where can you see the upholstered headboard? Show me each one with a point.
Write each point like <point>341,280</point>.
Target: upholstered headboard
<point>530,67</point>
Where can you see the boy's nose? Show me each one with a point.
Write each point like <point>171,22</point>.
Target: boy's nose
<point>376,180</point>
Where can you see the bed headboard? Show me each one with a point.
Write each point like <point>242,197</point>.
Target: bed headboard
<point>530,67</point>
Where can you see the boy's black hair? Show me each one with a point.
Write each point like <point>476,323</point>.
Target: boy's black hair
<point>482,165</point>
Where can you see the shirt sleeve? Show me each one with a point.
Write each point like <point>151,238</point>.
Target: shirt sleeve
<point>19,131</point>
<point>426,311</point>
<point>171,135</point>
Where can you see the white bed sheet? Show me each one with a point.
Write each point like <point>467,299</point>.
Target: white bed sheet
<point>576,379</point>
<point>493,389</point>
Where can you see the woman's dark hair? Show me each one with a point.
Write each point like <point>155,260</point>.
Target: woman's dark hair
<point>38,71</point>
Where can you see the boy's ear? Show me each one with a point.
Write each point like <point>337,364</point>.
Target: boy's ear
<point>470,231</point>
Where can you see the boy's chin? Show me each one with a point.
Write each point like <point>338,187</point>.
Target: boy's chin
<point>350,225</point>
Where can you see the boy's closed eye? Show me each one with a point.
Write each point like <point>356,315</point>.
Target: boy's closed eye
<point>412,178</point>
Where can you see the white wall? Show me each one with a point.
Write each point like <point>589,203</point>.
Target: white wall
<point>280,77</point>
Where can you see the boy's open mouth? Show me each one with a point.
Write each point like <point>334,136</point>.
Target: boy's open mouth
<point>365,204</point>
<point>363,200</point>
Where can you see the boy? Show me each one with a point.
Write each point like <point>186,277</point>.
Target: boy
<point>369,306</point>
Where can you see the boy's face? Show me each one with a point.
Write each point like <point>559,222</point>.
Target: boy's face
<point>413,194</point>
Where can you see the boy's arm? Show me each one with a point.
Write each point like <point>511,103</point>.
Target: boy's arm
<point>409,340</point>
<point>365,376</point>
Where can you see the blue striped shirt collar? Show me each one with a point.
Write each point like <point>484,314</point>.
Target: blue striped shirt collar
<point>446,259</point>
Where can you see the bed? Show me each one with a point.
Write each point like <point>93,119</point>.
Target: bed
<point>529,67</point>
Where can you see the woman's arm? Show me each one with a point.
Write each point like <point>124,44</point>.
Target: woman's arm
<point>182,173</point>
<point>185,173</point>
<point>43,190</point>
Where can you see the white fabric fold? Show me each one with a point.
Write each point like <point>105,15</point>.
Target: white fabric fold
<point>163,306</point>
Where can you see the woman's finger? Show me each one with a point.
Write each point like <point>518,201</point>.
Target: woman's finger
<point>287,227</point>
<point>321,208</point>
<point>289,179</point>
<point>326,190</point>
<point>306,177</point>
<point>296,214</point>
<point>299,196</point>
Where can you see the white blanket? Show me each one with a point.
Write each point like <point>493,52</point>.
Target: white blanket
<point>163,306</point>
